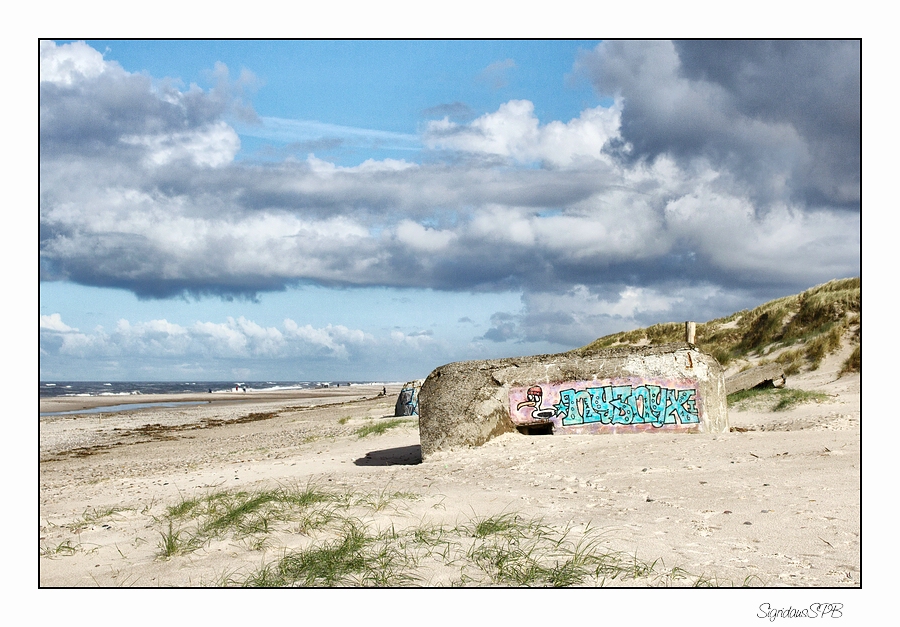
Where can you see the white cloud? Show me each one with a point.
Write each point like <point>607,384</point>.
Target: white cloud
<point>423,238</point>
<point>225,338</point>
<point>384,165</point>
<point>54,322</point>
<point>69,63</point>
<point>496,223</point>
<point>418,340</point>
<point>327,168</point>
<point>81,343</point>
<point>234,338</point>
<point>328,338</point>
<point>784,241</point>
<point>212,145</point>
<point>514,132</point>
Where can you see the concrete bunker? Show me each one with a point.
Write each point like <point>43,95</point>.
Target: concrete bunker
<point>765,376</point>
<point>408,399</point>
<point>666,388</point>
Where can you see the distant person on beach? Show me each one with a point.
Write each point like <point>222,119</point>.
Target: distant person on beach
<point>384,391</point>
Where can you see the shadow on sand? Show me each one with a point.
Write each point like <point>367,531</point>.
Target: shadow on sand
<point>400,456</point>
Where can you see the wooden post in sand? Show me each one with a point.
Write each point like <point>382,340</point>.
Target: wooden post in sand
<point>690,331</point>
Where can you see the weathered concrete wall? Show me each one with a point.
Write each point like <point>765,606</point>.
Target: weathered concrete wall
<point>770,374</point>
<point>673,387</point>
<point>408,399</point>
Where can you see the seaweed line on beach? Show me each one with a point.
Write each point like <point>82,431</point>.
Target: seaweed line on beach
<point>156,432</point>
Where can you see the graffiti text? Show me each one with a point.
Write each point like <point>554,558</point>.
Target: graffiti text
<point>627,405</point>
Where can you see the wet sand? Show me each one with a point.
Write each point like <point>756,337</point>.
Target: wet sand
<point>75,403</point>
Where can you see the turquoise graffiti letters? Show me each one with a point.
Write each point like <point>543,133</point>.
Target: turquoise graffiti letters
<point>625,405</point>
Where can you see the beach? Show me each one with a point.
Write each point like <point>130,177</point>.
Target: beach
<point>127,498</point>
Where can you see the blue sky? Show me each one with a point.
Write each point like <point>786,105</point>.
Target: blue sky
<point>369,210</point>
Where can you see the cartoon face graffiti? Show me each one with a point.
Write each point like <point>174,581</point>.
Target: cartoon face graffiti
<point>533,398</point>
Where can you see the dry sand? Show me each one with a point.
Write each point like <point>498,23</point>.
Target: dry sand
<point>775,502</point>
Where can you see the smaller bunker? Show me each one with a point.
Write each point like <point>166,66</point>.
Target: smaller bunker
<point>666,388</point>
<point>768,375</point>
<point>408,399</point>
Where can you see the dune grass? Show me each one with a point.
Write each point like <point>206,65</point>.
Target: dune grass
<point>774,399</point>
<point>378,428</point>
<point>789,398</point>
<point>853,363</point>
<point>505,551</point>
<point>816,321</point>
<point>63,548</point>
<point>331,539</point>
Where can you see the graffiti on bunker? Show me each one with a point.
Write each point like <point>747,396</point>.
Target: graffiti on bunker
<point>533,398</point>
<point>407,402</point>
<point>625,402</point>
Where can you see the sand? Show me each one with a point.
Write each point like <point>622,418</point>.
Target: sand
<point>773,503</point>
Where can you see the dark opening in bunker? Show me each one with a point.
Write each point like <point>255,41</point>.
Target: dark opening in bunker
<point>536,428</point>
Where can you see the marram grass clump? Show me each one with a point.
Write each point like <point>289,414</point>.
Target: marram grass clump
<point>325,538</point>
<point>854,362</point>
<point>774,399</point>
<point>378,428</point>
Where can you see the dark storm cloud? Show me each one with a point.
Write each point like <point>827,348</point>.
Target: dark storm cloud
<point>815,86</point>
<point>783,117</point>
<point>504,327</point>
<point>97,112</point>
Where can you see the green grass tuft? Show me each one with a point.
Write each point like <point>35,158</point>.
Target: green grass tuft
<point>379,428</point>
<point>791,398</point>
<point>791,360</point>
<point>776,399</point>
<point>63,548</point>
<point>183,508</point>
<point>357,557</point>
<point>171,542</point>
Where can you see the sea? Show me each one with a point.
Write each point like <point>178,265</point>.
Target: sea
<point>54,389</point>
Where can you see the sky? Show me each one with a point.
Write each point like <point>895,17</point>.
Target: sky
<point>370,210</point>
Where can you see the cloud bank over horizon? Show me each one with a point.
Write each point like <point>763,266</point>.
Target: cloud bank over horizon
<point>719,173</point>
